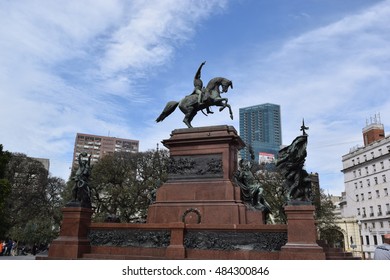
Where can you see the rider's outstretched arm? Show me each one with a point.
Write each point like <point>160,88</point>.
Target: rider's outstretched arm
<point>198,73</point>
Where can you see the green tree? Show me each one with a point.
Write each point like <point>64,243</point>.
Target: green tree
<point>124,184</point>
<point>5,190</point>
<point>33,205</point>
<point>326,220</point>
<point>275,194</point>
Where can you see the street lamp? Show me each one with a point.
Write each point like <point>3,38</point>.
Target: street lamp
<point>361,238</point>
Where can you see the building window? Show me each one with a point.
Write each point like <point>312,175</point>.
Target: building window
<point>375,240</point>
<point>386,192</point>
<point>381,224</point>
<point>364,214</point>
<point>357,197</point>
<point>376,180</point>
<point>358,211</point>
<point>366,170</point>
<point>377,194</point>
<point>380,151</point>
<point>382,165</point>
<point>358,160</point>
<point>360,172</point>
<point>372,225</point>
<point>372,155</point>
<point>354,174</point>
<point>387,208</point>
<point>367,240</point>
<point>353,162</point>
<point>379,210</point>
<point>368,183</point>
<point>362,196</point>
<point>361,184</point>
<point>369,195</point>
<point>374,168</point>
<point>355,185</point>
<point>384,178</point>
<point>371,211</point>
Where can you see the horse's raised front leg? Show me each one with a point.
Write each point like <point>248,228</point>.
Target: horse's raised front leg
<point>230,110</point>
<point>222,102</point>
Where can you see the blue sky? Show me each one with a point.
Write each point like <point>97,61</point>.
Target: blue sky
<point>109,68</point>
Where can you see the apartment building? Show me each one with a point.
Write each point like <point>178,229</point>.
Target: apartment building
<point>366,199</point>
<point>98,146</point>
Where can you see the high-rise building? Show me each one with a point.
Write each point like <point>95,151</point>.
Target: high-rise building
<point>260,128</point>
<point>366,198</point>
<point>98,146</point>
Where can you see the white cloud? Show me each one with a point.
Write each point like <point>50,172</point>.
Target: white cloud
<point>151,32</point>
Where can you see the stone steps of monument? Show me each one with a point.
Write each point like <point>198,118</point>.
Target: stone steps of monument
<point>336,253</point>
<point>92,256</point>
<point>340,256</point>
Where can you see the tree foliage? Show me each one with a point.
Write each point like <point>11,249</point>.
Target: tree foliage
<point>326,219</point>
<point>33,205</point>
<point>5,190</point>
<point>276,195</point>
<point>124,184</point>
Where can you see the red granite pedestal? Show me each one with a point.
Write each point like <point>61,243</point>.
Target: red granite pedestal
<point>73,241</point>
<point>301,235</point>
<point>200,187</point>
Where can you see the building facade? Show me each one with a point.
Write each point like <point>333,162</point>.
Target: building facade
<point>99,146</point>
<point>260,128</point>
<point>45,162</point>
<point>366,200</point>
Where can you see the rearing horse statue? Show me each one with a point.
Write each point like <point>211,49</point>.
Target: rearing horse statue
<point>201,98</point>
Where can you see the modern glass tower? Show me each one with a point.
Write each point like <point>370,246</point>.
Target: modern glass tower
<point>260,128</point>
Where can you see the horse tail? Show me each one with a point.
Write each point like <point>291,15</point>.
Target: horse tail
<point>169,108</point>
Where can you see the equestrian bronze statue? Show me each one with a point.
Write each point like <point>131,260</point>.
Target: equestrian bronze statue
<point>201,98</point>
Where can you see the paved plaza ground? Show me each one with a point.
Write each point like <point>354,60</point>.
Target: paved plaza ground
<point>21,257</point>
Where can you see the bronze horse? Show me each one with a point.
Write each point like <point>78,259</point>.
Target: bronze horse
<point>190,105</point>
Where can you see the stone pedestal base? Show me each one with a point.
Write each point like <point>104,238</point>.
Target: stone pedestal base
<point>301,235</point>
<point>200,186</point>
<point>72,242</point>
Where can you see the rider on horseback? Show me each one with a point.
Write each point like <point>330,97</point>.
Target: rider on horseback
<point>198,87</point>
<point>192,103</point>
